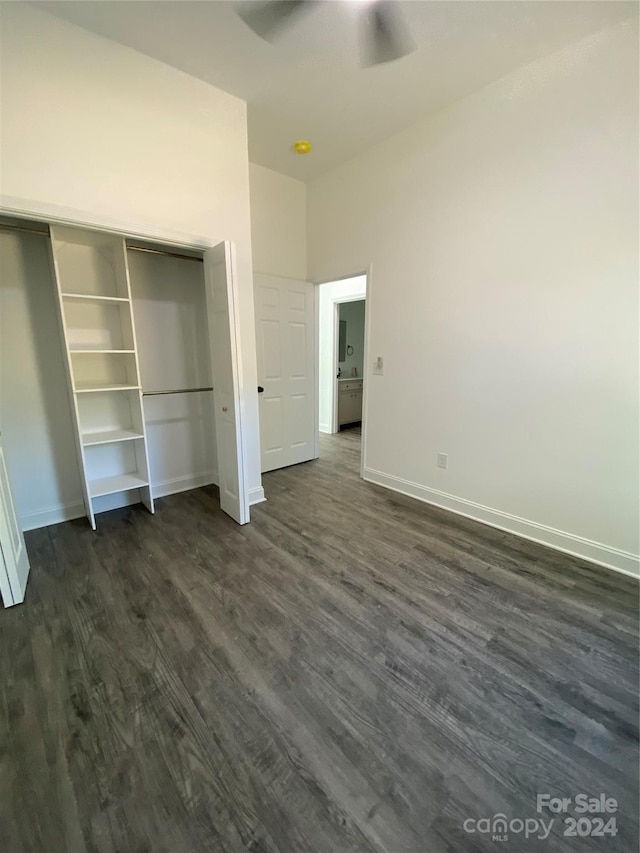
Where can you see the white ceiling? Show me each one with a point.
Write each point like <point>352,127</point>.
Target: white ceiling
<point>310,84</point>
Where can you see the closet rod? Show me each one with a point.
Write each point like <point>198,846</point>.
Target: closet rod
<point>7,227</point>
<point>164,252</point>
<point>175,391</point>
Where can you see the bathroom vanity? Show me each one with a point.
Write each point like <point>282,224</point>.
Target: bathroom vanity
<point>349,401</point>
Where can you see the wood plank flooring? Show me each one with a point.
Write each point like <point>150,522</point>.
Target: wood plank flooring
<point>352,672</point>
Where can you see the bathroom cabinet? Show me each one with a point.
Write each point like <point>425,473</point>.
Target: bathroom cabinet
<point>349,401</point>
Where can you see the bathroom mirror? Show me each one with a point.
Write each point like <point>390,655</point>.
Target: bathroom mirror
<point>342,340</point>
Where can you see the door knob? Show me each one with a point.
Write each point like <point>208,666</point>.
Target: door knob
<point>224,408</point>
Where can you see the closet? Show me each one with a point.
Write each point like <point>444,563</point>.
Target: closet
<point>143,332</point>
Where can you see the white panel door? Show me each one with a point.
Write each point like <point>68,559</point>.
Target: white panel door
<point>285,339</point>
<point>14,562</point>
<point>220,279</point>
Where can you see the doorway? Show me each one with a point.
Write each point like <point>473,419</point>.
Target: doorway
<point>341,354</point>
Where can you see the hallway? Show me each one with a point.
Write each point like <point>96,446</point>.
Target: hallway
<point>352,672</point>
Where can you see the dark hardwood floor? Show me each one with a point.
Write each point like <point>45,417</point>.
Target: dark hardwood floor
<point>352,672</point>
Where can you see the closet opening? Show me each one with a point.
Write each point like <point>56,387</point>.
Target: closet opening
<point>116,351</point>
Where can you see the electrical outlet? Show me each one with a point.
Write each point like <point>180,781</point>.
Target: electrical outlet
<point>378,366</point>
<point>442,460</point>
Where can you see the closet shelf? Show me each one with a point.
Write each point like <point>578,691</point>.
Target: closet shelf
<point>90,389</point>
<point>90,297</point>
<point>89,439</point>
<point>119,483</point>
<point>75,350</point>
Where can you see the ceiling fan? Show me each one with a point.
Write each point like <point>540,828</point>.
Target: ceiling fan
<point>384,34</point>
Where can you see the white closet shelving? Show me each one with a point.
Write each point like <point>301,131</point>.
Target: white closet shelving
<point>94,297</point>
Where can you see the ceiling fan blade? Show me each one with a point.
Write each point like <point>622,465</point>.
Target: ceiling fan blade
<point>266,19</point>
<point>385,37</point>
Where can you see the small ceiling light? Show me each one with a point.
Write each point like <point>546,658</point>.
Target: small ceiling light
<point>302,146</point>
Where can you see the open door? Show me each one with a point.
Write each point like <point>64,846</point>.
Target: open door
<point>285,339</point>
<point>14,562</point>
<point>220,279</point>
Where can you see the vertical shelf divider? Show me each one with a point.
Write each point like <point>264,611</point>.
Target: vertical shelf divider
<point>69,376</point>
<point>141,449</point>
<point>93,265</point>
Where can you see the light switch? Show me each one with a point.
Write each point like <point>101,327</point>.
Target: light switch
<point>378,366</point>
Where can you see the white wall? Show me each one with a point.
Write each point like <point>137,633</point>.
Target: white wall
<point>93,129</point>
<point>503,238</point>
<point>353,315</point>
<point>35,415</point>
<point>329,294</point>
<point>278,223</point>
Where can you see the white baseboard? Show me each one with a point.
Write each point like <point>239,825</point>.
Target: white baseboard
<point>256,495</point>
<point>183,484</point>
<point>105,503</point>
<point>325,428</point>
<point>51,515</point>
<point>67,512</point>
<point>568,543</point>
